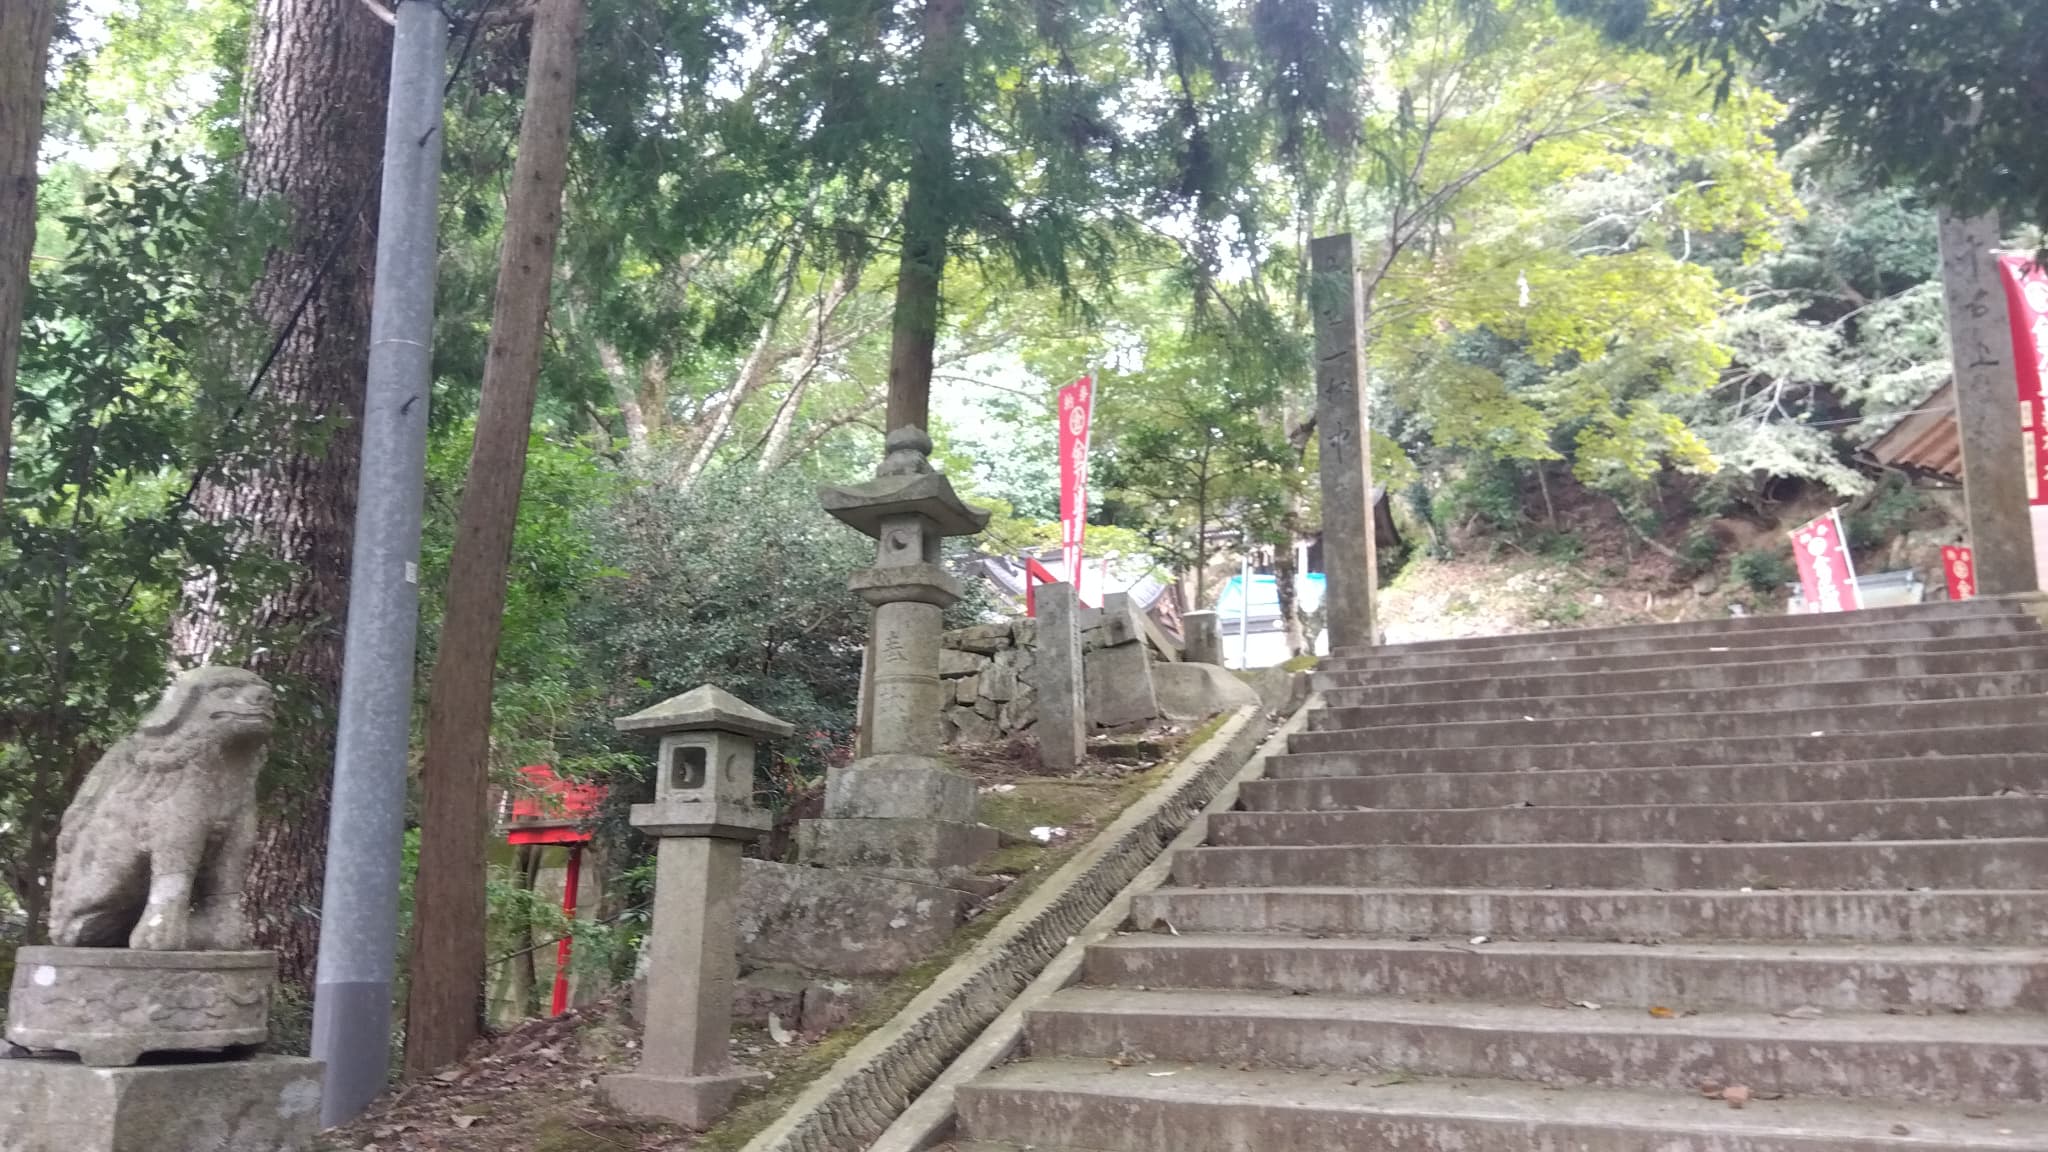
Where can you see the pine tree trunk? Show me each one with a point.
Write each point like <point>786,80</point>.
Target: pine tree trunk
<point>443,1008</point>
<point>314,125</point>
<point>926,225</point>
<point>24,56</point>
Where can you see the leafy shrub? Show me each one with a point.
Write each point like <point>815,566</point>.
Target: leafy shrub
<point>1484,491</point>
<point>1698,551</point>
<point>1888,515</point>
<point>1763,570</point>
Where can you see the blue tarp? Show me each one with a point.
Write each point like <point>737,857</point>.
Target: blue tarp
<point>1266,596</point>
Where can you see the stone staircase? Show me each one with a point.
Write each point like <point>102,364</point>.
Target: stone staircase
<point>1548,892</point>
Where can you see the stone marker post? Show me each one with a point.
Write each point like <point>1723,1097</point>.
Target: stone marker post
<point>1995,468</point>
<point>1062,700</point>
<point>1350,565</point>
<point>898,811</point>
<point>1202,638</point>
<point>703,810</point>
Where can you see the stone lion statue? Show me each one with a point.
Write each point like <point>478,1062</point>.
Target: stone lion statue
<point>155,848</point>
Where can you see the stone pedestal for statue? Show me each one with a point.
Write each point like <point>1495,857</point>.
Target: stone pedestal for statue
<point>703,811</point>
<point>152,956</point>
<point>111,1006</point>
<point>899,812</point>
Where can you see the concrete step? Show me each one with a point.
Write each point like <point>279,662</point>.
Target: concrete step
<point>1839,720</point>
<point>1523,648</point>
<point>1343,710</point>
<point>1324,753</point>
<point>1989,1059</point>
<point>1703,977</point>
<point>1950,818</point>
<point>1929,776</point>
<point>1060,1105</point>
<point>2008,864</point>
<point>1980,917</point>
<point>2032,655</point>
<point>2023,605</point>
<point>1327,678</point>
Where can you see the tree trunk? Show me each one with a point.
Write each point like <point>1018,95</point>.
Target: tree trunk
<point>926,224</point>
<point>314,124</point>
<point>24,56</point>
<point>752,370</point>
<point>638,443</point>
<point>1285,573</point>
<point>443,1014</point>
<point>524,975</point>
<point>777,441</point>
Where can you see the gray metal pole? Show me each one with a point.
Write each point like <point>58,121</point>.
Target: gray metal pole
<point>366,825</point>
<point>1244,607</point>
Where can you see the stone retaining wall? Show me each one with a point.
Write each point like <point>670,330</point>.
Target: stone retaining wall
<point>989,670</point>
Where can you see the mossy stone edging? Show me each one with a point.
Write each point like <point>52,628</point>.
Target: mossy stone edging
<point>855,1102</point>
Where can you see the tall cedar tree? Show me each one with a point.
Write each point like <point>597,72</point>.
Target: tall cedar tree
<point>993,131</point>
<point>313,119</point>
<point>444,1005</point>
<point>25,28</point>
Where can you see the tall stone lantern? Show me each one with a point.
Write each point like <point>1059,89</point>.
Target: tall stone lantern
<point>899,812</point>
<point>703,811</point>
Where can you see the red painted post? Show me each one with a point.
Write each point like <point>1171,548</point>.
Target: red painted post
<point>560,1003</point>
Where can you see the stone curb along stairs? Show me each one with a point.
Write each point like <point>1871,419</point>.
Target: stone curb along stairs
<point>1756,885</point>
<point>851,1104</point>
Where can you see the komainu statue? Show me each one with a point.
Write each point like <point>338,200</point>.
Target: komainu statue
<point>155,848</point>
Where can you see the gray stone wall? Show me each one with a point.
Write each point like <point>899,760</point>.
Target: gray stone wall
<point>988,672</point>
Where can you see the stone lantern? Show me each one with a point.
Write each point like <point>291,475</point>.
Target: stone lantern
<point>900,811</point>
<point>703,810</point>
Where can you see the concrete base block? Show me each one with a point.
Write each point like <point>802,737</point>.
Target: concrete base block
<point>695,1102</point>
<point>899,787</point>
<point>111,1005</point>
<point>839,923</point>
<point>1194,691</point>
<point>920,851</point>
<point>1119,686</point>
<point>265,1104</point>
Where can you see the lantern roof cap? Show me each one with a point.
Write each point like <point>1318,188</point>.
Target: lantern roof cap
<point>705,708</point>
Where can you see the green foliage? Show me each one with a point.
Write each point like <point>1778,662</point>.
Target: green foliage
<point>1547,303</point>
<point>741,583</point>
<point>1763,569</point>
<point>1486,492</point>
<point>1887,516</point>
<point>121,336</point>
<point>1698,550</point>
<point>1921,95</point>
<point>1183,446</point>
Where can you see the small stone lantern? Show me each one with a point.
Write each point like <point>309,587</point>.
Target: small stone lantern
<point>703,810</point>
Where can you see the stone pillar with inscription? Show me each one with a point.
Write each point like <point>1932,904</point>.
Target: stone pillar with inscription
<point>899,811</point>
<point>1995,468</point>
<point>1344,444</point>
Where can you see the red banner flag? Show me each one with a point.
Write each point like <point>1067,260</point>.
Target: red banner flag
<point>2026,299</point>
<point>1825,573</point>
<point>1077,402</point>
<point>1961,569</point>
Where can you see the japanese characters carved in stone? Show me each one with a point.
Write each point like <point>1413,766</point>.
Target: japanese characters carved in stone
<point>155,848</point>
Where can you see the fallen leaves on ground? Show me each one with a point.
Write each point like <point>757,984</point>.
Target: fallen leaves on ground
<point>532,1086</point>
